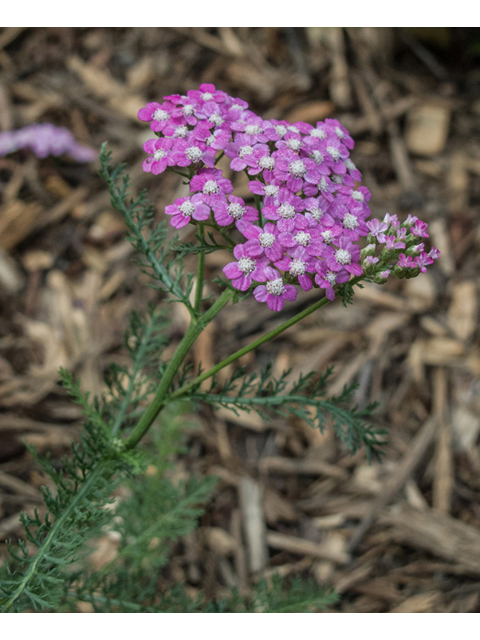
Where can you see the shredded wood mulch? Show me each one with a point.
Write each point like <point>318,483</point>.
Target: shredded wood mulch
<point>397,536</point>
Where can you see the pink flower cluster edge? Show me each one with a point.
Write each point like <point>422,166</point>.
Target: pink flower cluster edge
<point>310,213</point>
<point>45,139</point>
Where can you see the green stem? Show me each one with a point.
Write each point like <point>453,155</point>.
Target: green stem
<point>200,270</point>
<point>161,397</point>
<point>259,207</point>
<point>225,237</point>
<point>184,175</point>
<point>221,232</point>
<point>250,347</point>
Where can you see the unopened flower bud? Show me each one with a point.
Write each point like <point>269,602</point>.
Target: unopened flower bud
<point>369,250</point>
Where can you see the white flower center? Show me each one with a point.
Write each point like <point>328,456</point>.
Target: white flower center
<point>252,129</point>
<point>339,133</point>
<point>211,187</point>
<point>188,109</point>
<point>187,208</point>
<point>318,133</point>
<point>303,238</point>
<point>207,96</point>
<point>294,144</point>
<point>276,287</point>
<point>334,152</point>
<point>327,236</point>
<point>266,163</point>
<point>322,185</point>
<point>236,210</point>
<point>194,154</point>
<point>331,277</point>
<point>293,129</point>
<point>181,131</point>
<point>280,129</point>
<point>297,168</point>
<point>316,213</point>
<point>160,115</point>
<point>342,256</point>
<point>286,211</point>
<point>358,196</point>
<point>159,154</point>
<point>245,151</point>
<point>316,156</point>
<point>216,119</point>
<point>246,265</point>
<point>350,221</point>
<point>297,267</point>
<point>337,179</point>
<point>237,106</point>
<point>266,239</point>
<point>209,141</point>
<point>271,190</point>
<point>349,164</point>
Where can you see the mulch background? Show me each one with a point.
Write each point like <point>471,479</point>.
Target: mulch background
<point>400,536</point>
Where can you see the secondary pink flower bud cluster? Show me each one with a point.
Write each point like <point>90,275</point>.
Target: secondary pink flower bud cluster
<point>44,140</point>
<point>304,183</point>
<point>398,242</point>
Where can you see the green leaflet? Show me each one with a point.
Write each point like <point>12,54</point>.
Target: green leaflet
<point>304,398</point>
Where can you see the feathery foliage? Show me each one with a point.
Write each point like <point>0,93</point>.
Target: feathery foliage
<point>151,244</point>
<point>304,398</point>
<point>74,509</point>
<point>73,513</point>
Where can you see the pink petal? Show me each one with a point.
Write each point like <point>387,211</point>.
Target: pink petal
<point>231,270</point>
<point>242,283</point>
<point>291,291</point>
<point>275,303</point>
<point>260,293</point>
<point>179,221</point>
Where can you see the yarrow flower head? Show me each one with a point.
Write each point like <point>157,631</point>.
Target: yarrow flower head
<point>310,212</point>
<point>45,140</point>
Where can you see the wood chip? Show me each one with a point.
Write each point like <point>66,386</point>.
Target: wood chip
<point>17,221</point>
<point>441,535</point>
<point>427,129</point>
<point>457,182</point>
<point>311,112</point>
<point>103,85</point>
<point>220,540</point>
<point>444,473</point>
<point>253,518</point>
<point>339,84</point>
<point>11,278</point>
<point>249,420</point>
<point>302,467</point>
<point>421,603</point>
<point>303,547</point>
<point>463,310</point>
<point>393,485</point>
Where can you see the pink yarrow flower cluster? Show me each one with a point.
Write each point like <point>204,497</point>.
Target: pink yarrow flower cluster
<point>310,213</point>
<point>44,140</point>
